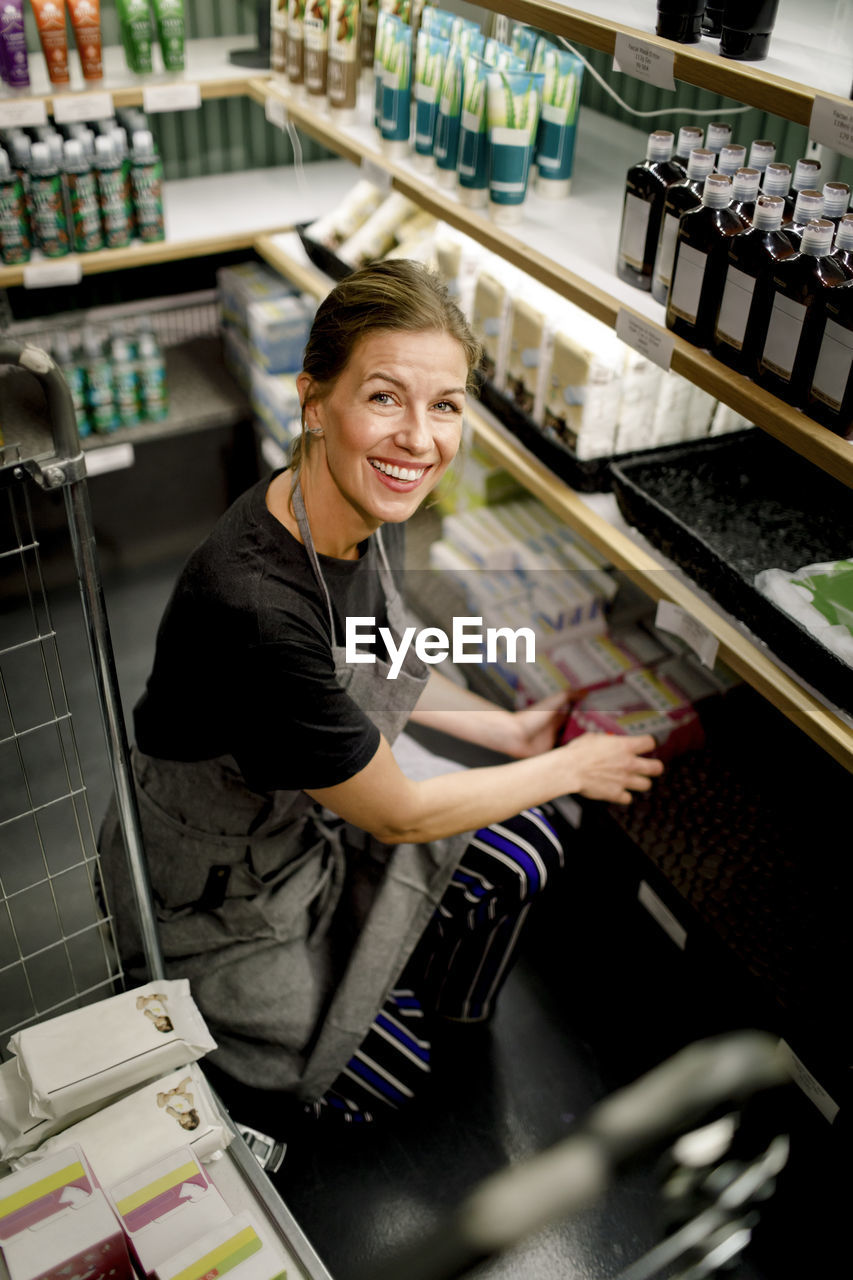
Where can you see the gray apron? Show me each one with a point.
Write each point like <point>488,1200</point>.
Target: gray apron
<point>291,925</point>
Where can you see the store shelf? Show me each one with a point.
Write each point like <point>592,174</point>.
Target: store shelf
<point>207,65</point>
<point>217,214</point>
<point>809,50</point>
<point>758,669</point>
<point>575,249</point>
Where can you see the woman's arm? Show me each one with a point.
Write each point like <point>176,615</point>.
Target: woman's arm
<point>455,710</point>
<point>395,809</point>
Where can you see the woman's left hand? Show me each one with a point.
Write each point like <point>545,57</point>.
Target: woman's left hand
<point>535,729</point>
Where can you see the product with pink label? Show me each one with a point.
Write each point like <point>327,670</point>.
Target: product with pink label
<point>243,1246</point>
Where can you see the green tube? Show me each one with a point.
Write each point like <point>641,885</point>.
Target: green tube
<point>137,34</point>
<point>555,139</point>
<point>169,17</point>
<point>513,114</point>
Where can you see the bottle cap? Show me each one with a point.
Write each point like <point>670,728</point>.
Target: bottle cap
<point>844,234</point>
<point>700,164</point>
<point>817,237</point>
<point>104,150</point>
<point>719,135</point>
<point>836,198</point>
<point>731,159</point>
<point>119,136</point>
<point>73,152</point>
<point>143,145</point>
<point>745,184</point>
<point>777,179</point>
<point>769,211</point>
<point>20,146</point>
<point>718,191</point>
<point>689,136</point>
<point>5,166</point>
<point>40,157</point>
<point>660,145</point>
<point>809,205</point>
<point>762,153</point>
<point>54,143</point>
<point>805,172</point>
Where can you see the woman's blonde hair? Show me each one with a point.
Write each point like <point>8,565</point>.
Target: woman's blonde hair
<point>399,295</point>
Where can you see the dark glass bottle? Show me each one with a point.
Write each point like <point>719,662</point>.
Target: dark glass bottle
<point>681,196</point>
<point>788,352</point>
<point>701,253</point>
<point>719,134</point>
<point>809,208</point>
<point>836,200</point>
<point>747,293</point>
<point>806,177</point>
<point>746,29</point>
<point>745,185</point>
<point>690,137</point>
<point>645,188</point>
<point>829,398</point>
<point>731,158</point>
<point>761,154</point>
<point>712,22</point>
<point>680,20</point>
<point>842,250</point>
<point>777,182</point>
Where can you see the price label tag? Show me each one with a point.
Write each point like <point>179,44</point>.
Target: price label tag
<point>661,912</point>
<point>649,339</point>
<point>276,112</point>
<point>375,174</point>
<point>109,457</point>
<point>672,618</point>
<point>171,97</point>
<point>832,125</point>
<point>645,62</point>
<point>82,106</point>
<point>47,274</point>
<point>22,113</point>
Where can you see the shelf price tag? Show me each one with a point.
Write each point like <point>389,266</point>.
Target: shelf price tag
<point>276,112</point>
<point>171,97</point>
<point>82,106</point>
<point>645,62</point>
<point>649,339</point>
<point>810,1086</point>
<point>52,272</point>
<point>832,124</point>
<point>659,911</point>
<point>109,457</point>
<point>672,618</point>
<point>375,174</point>
<point>22,113</point>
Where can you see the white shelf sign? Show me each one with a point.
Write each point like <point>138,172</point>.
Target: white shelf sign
<point>22,113</point>
<point>810,1086</point>
<point>171,97</point>
<point>644,62</point>
<point>649,339</point>
<point>82,106</point>
<point>109,457</point>
<point>52,272</point>
<point>276,112</point>
<point>832,124</point>
<point>659,911</point>
<point>375,174</point>
<point>675,620</point>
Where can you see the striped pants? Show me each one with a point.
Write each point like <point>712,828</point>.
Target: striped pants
<point>458,966</point>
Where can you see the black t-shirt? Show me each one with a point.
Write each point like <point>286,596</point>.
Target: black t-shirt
<point>243,664</point>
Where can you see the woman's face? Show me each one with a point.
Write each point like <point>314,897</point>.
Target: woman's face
<point>392,423</point>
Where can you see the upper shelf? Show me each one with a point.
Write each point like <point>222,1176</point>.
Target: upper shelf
<point>575,251</point>
<point>811,50</point>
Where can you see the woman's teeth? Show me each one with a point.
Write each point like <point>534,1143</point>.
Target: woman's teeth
<point>398,473</point>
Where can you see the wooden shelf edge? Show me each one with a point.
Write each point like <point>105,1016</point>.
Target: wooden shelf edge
<point>308,278</point>
<point>799,706</point>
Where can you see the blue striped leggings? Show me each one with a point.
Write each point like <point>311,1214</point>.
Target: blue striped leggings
<point>458,966</point>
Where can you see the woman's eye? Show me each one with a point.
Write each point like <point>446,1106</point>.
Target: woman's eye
<point>381,397</point>
<point>448,406</point>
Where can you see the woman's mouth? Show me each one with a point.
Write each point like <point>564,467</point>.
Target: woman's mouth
<point>399,473</point>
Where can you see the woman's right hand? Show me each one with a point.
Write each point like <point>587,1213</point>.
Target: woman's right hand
<point>610,766</point>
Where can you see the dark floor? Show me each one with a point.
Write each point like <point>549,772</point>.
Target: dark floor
<point>600,995</point>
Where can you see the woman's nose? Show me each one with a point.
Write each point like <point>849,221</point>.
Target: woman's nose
<point>413,432</point>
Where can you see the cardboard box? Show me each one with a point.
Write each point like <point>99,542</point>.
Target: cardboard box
<point>243,1246</point>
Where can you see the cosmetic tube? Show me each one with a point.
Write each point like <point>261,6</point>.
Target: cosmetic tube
<point>296,43</point>
<point>467,37</point>
<point>367,33</point>
<point>395,121</point>
<point>385,24</point>
<point>50,20</point>
<point>86,23</point>
<point>523,42</point>
<point>500,56</point>
<point>513,114</point>
<point>431,55</point>
<point>555,137</point>
<point>473,163</point>
<point>316,37</point>
<point>343,58</point>
<point>169,20</point>
<point>747,27</point>
<point>278,37</point>
<point>13,45</point>
<point>137,34</point>
<point>439,21</point>
<point>448,120</point>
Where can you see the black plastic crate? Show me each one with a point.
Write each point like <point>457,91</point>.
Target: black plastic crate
<point>725,508</point>
<point>322,257</point>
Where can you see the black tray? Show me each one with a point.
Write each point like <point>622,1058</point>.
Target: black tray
<point>725,508</point>
<point>323,257</point>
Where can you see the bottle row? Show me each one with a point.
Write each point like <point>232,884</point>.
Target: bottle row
<point>138,20</point>
<point>117,378</point>
<point>743,27</point>
<point>746,258</point>
<point>78,191</point>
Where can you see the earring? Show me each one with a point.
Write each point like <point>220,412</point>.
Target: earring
<point>314,431</point>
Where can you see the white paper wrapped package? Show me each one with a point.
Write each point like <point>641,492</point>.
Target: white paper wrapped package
<point>20,1131</point>
<point>176,1110</point>
<point>243,1246</point>
<point>104,1049</point>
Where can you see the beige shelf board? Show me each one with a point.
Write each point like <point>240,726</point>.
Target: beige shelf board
<point>570,246</point>
<point>285,252</point>
<point>827,729</point>
<point>809,50</point>
<point>220,213</point>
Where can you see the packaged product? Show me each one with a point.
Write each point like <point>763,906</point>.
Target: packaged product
<point>243,1246</point>
<point>19,1130</point>
<point>378,234</point>
<point>243,284</point>
<point>582,385</point>
<point>275,402</point>
<point>638,705</point>
<point>278,332</point>
<point>332,229</point>
<point>489,320</point>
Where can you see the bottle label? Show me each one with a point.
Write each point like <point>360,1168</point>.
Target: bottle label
<point>734,309</point>
<point>832,372</point>
<point>635,226</point>
<point>783,335</point>
<point>687,284</point>
<point>666,249</point>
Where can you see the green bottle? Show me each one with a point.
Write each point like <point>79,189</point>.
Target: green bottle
<point>15,240</point>
<point>146,179</point>
<point>100,395</point>
<point>169,16</point>
<point>115,216</point>
<point>137,34</point>
<point>151,370</point>
<point>125,382</point>
<point>84,213</point>
<point>47,203</point>
<point>75,376</point>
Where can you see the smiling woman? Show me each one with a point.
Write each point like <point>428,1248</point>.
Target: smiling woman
<point>329,910</point>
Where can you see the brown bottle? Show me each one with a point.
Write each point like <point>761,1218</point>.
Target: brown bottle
<point>747,294</point>
<point>689,138</point>
<point>836,199</point>
<point>761,154</point>
<point>745,185</point>
<point>645,188</point>
<point>731,158</point>
<point>701,254</point>
<point>788,352</point>
<point>842,250</point>
<point>777,182</point>
<point>829,398</point>
<point>808,208</point>
<point>806,175</point>
<point>681,196</point>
